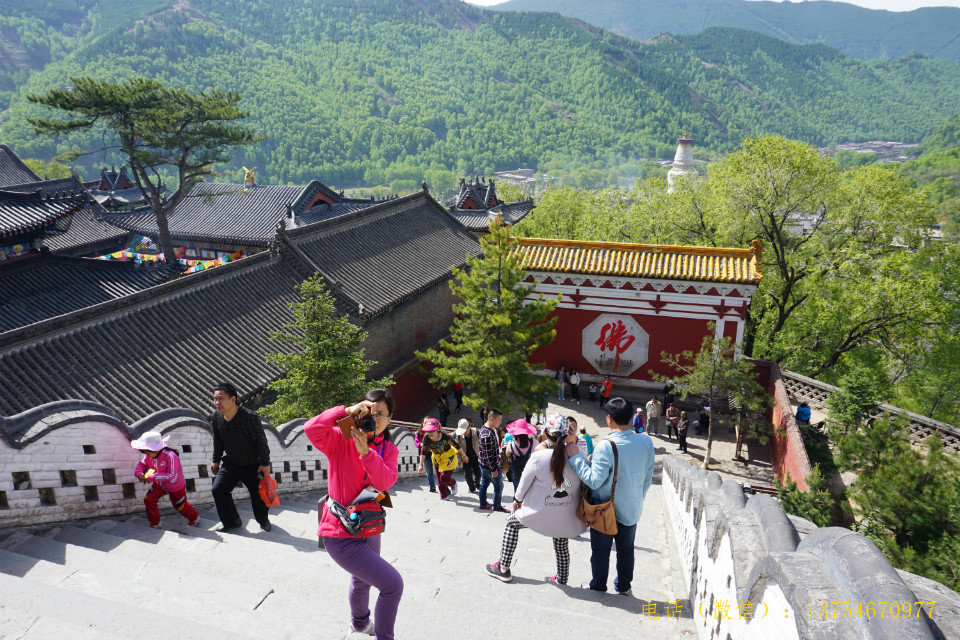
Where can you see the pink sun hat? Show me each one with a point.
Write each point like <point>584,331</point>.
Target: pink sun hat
<point>431,424</point>
<point>521,427</point>
<point>151,441</point>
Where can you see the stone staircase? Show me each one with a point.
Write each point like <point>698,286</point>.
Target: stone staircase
<point>117,578</point>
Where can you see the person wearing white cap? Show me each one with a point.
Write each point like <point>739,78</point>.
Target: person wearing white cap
<point>160,466</point>
<point>469,441</point>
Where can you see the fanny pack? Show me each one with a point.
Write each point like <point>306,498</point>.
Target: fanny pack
<point>362,519</point>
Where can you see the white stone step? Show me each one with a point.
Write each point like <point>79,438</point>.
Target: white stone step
<point>113,619</point>
<point>26,626</point>
<point>156,587</point>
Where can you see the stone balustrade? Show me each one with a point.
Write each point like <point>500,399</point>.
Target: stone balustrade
<point>804,389</point>
<point>755,572</point>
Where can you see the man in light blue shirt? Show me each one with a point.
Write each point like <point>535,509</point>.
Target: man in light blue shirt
<point>634,475</point>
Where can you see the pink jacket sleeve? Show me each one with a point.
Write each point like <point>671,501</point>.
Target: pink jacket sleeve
<point>323,432</point>
<point>141,467</point>
<point>168,467</point>
<point>382,472</point>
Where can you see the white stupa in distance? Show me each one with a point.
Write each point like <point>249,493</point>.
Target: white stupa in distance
<point>682,162</point>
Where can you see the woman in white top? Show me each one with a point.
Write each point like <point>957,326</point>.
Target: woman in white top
<point>546,501</point>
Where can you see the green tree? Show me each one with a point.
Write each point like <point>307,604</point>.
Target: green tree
<point>813,504</point>
<point>322,358</point>
<point>48,170</point>
<point>495,331</point>
<point>716,373</point>
<point>156,127</point>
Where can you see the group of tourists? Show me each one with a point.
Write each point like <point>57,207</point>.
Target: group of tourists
<point>555,471</point>
<point>560,476</point>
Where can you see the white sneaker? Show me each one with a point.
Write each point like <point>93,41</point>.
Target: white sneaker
<point>453,490</point>
<point>368,630</point>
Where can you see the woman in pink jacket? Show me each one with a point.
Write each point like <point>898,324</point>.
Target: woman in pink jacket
<point>360,460</point>
<point>160,466</point>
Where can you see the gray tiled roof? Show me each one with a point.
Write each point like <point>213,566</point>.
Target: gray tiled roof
<point>89,233</point>
<point>13,170</point>
<point>121,196</point>
<point>223,212</point>
<point>379,263</point>
<point>166,346</point>
<point>479,220</point>
<point>44,286</point>
<point>21,212</point>
<point>483,194</point>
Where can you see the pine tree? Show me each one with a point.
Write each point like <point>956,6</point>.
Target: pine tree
<point>156,127</point>
<point>814,504</point>
<point>323,362</point>
<point>495,331</point>
<point>714,372</point>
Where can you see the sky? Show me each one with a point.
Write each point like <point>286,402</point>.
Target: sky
<point>889,5</point>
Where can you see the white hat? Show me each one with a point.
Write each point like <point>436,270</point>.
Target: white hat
<point>462,426</point>
<point>639,409</point>
<point>151,440</point>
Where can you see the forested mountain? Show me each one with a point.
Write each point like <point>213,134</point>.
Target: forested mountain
<point>856,31</point>
<point>375,91</point>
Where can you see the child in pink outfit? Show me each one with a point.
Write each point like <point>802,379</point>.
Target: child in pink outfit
<point>160,465</point>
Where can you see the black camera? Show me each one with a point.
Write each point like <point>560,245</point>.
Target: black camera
<point>368,424</point>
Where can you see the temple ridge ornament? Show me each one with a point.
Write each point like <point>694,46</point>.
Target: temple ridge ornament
<point>249,178</point>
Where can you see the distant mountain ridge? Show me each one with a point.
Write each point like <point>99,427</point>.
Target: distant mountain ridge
<point>856,31</point>
<point>374,92</point>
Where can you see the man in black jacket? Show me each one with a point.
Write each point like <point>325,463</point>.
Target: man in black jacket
<point>240,454</point>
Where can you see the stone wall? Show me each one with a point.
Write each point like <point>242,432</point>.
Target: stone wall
<point>804,389</point>
<point>72,459</point>
<point>755,572</point>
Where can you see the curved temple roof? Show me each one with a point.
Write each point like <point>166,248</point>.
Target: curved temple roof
<point>705,264</point>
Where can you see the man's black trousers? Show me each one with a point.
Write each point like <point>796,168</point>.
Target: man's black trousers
<point>227,478</point>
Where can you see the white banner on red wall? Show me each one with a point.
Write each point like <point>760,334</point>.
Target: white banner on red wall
<point>615,344</point>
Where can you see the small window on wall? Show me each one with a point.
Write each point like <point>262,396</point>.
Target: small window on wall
<point>68,478</point>
<point>109,476</point>
<point>286,466</point>
<point>90,494</point>
<point>89,449</point>
<point>3,501</point>
<point>191,485</point>
<point>187,448</point>
<point>202,471</point>
<point>129,490</point>
<point>310,475</point>
<point>47,497</point>
<point>277,477</point>
<point>21,480</point>
<point>296,476</point>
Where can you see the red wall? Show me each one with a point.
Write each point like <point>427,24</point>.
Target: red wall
<point>789,456</point>
<point>666,334</point>
<point>414,395</point>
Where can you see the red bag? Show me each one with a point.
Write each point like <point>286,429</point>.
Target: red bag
<point>367,519</point>
<point>268,491</point>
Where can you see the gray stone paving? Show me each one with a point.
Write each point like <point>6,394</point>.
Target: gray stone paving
<point>114,578</point>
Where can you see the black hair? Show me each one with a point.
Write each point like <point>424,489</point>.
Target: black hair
<point>496,412</point>
<point>227,388</point>
<point>558,459</point>
<point>381,395</point>
<point>384,396</point>
<point>523,440</point>
<point>620,410</point>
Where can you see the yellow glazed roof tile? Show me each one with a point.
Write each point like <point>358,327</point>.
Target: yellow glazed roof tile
<point>703,264</point>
